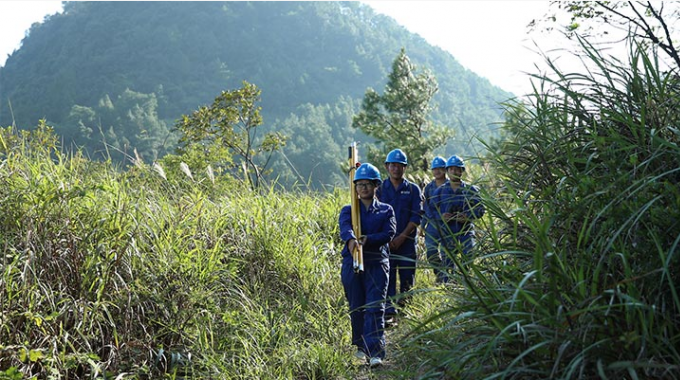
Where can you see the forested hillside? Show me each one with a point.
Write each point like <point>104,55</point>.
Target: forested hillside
<point>113,76</point>
<point>161,271</point>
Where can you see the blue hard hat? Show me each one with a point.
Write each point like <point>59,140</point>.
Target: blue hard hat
<point>438,162</point>
<point>367,171</point>
<point>455,161</point>
<point>397,156</point>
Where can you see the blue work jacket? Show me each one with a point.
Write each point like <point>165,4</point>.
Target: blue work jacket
<point>465,199</point>
<point>407,202</point>
<point>377,224</point>
<point>429,212</point>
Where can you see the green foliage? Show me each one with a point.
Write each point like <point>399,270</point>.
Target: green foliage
<point>11,374</point>
<point>399,118</point>
<point>39,143</point>
<point>167,271</point>
<point>140,275</point>
<point>114,130</point>
<point>646,22</point>
<point>577,271</point>
<point>229,127</point>
<point>166,59</point>
<point>318,132</point>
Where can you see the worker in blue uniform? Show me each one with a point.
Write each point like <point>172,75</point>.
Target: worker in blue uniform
<point>366,291</point>
<point>429,225</point>
<point>406,199</point>
<point>458,204</point>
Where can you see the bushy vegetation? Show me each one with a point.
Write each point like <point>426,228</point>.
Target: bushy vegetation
<point>126,273</point>
<point>175,270</point>
<point>121,83</point>
<point>578,270</point>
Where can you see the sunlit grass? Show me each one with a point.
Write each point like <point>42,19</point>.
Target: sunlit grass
<point>576,272</point>
<point>161,271</point>
<point>135,275</point>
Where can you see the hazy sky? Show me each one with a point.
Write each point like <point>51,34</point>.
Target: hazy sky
<point>487,37</point>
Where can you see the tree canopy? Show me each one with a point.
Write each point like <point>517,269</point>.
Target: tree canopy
<point>400,117</point>
<point>301,55</point>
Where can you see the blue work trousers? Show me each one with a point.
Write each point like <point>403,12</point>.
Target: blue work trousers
<point>366,293</point>
<point>434,254</point>
<point>460,244</point>
<point>402,268</point>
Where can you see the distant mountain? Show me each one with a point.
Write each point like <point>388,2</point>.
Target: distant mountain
<point>126,71</point>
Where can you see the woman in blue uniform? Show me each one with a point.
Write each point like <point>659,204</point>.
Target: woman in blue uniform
<point>366,291</point>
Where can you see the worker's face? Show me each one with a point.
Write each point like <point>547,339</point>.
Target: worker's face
<point>396,170</point>
<point>455,173</point>
<point>439,173</point>
<point>365,189</point>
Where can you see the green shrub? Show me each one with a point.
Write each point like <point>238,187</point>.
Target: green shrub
<point>578,272</point>
<point>111,273</point>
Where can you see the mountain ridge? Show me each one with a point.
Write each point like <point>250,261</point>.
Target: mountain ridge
<point>185,53</point>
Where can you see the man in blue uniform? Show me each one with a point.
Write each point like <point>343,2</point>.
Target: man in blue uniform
<point>429,224</point>
<point>457,204</point>
<point>366,291</point>
<point>406,199</point>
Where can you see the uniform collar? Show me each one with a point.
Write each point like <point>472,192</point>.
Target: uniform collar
<point>373,205</point>
<point>404,183</point>
<point>462,184</point>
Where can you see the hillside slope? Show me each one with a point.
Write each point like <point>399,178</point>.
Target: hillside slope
<point>183,54</point>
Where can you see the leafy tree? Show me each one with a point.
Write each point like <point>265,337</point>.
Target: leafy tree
<point>646,22</point>
<point>129,123</point>
<point>185,53</point>
<point>399,117</point>
<point>320,132</point>
<point>229,125</point>
<point>585,210</point>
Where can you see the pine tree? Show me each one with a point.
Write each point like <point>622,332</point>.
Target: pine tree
<point>399,117</point>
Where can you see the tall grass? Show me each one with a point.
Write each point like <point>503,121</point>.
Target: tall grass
<point>158,272</point>
<point>577,273</point>
<point>126,274</point>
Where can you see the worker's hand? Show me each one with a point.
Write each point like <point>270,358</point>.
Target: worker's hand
<point>460,217</point>
<point>457,216</point>
<point>351,244</point>
<point>397,242</point>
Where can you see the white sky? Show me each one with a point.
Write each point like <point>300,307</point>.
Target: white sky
<point>487,37</point>
<point>16,17</point>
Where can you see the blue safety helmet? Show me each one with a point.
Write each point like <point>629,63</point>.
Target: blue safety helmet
<point>397,156</point>
<point>455,161</point>
<point>438,162</point>
<point>367,171</point>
